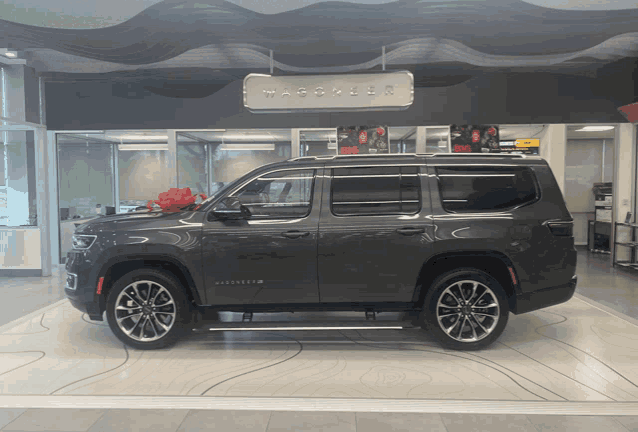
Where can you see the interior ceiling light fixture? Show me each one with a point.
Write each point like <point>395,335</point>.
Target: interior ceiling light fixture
<point>10,54</point>
<point>143,147</point>
<point>247,146</point>
<point>595,128</point>
<point>140,137</point>
<point>247,137</point>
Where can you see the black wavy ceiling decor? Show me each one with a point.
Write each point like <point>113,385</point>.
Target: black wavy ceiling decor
<point>443,42</point>
<point>465,31</point>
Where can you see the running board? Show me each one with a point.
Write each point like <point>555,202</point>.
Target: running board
<point>306,325</point>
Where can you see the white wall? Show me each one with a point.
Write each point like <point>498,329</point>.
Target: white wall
<point>624,179</point>
<point>553,149</point>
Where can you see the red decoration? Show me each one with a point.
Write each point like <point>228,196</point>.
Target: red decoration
<point>363,137</point>
<point>630,112</point>
<point>175,199</point>
<point>491,131</point>
<point>462,148</point>
<point>476,135</point>
<point>380,131</point>
<point>350,150</point>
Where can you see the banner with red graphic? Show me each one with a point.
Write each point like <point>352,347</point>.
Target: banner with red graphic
<point>362,140</point>
<point>474,139</point>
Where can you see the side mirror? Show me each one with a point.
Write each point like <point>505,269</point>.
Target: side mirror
<point>231,209</point>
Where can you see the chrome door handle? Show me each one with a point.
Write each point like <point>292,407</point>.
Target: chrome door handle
<point>410,231</point>
<point>295,234</point>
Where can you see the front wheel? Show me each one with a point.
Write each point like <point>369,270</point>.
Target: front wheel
<point>147,309</point>
<point>465,309</point>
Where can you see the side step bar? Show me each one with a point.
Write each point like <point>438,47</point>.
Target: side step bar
<point>296,325</point>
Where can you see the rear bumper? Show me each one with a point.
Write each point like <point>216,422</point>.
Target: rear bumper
<point>531,301</point>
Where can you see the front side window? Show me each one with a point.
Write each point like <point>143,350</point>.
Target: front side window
<point>466,189</point>
<point>282,194</point>
<point>376,191</point>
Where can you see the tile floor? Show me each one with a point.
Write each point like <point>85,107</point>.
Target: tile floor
<point>584,369</point>
<point>90,420</point>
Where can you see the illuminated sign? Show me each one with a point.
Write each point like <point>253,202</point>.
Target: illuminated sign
<point>525,143</point>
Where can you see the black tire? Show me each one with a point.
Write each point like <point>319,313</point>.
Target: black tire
<point>454,310</point>
<point>168,323</point>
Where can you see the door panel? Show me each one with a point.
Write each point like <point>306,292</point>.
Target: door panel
<point>368,257</point>
<point>272,256</point>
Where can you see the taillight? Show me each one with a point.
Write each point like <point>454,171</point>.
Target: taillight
<point>561,228</point>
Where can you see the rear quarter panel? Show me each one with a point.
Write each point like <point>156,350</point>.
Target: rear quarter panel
<point>540,259</point>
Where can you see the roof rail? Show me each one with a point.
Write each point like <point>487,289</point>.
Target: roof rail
<point>520,156</point>
<point>330,157</point>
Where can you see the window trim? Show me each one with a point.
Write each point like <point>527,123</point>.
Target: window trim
<point>420,173</point>
<point>259,176</point>
<point>487,168</point>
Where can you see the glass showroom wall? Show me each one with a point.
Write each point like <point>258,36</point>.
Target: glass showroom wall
<point>590,153</point>
<point>320,142</point>
<point>108,172</point>
<point>207,160</point>
<point>18,207</point>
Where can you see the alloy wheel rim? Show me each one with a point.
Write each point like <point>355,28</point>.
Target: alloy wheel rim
<point>145,311</point>
<point>467,311</point>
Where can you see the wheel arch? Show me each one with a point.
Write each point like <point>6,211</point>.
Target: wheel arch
<point>118,266</point>
<point>494,263</point>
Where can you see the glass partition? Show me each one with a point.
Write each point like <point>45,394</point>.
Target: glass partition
<point>86,177</point>
<point>142,177</point>
<point>142,165</point>
<point>18,184</point>
<point>320,142</point>
<point>437,139</point>
<point>102,173</point>
<point>229,155</point>
<point>589,159</point>
<point>86,182</point>
<point>192,167</point>
<point>403,139</point>
<point>317,142</point>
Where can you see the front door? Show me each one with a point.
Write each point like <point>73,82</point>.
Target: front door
<point>375,234</point>
<point>271,257</point>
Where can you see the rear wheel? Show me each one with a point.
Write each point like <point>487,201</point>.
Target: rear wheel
<point>465,309</point>
<point>147,309</point>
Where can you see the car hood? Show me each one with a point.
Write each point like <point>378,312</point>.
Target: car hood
<point>128,220</point>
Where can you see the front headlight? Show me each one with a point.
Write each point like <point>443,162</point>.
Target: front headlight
<point>83,242</point>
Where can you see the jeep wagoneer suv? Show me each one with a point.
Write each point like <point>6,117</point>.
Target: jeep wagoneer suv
<point>461,240</point>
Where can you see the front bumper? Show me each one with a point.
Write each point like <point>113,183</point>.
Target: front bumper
<point>88,304</point>
<point>80,291</point>
<point>531,301</point>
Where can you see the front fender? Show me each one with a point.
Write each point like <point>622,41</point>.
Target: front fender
<point>188,261</point>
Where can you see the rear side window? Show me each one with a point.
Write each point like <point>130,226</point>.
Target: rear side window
<point>465,189</point>
<point>383,190</point>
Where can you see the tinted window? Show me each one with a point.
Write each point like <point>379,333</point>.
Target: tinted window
<point>375,191</point>
<point>282,194</point>
<point>485,188</point>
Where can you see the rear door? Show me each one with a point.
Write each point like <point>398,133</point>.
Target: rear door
<point>374,233</point>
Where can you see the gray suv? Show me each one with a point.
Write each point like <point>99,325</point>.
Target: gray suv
<point>460,240</point>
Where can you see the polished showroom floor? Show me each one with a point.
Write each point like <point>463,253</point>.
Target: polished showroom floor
<point>569,367</point>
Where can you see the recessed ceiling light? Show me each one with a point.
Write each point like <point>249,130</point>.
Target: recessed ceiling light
<point>595,128</point>
<point>10,54</point>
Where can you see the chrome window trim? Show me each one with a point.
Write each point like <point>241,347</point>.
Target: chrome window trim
<point>259,176</point>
